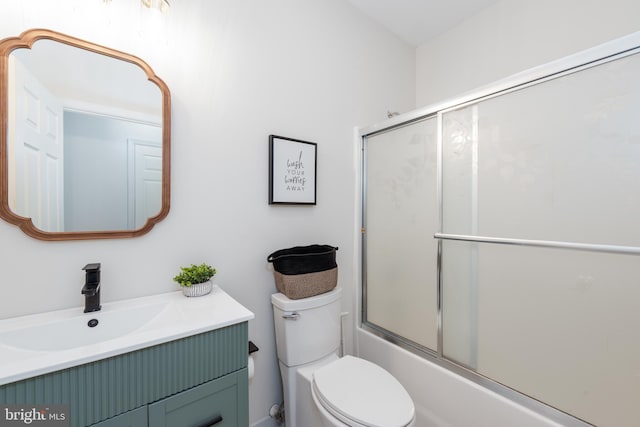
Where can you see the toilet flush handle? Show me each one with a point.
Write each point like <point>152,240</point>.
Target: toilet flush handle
<point>290,315</point>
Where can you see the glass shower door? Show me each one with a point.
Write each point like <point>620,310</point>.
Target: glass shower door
<point>400,218</point>
<point>553,169</point>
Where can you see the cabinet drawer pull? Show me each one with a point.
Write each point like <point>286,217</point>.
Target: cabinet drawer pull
<point>217,419</point>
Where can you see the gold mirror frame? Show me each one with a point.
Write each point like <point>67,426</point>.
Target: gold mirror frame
<point>26,40</point>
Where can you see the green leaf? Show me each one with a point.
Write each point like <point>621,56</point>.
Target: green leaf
<point>194,274</point>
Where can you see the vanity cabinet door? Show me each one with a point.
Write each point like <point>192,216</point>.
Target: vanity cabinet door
<point>214,404</point>
<point>135,418</point>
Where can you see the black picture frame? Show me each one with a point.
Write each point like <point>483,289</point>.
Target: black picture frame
<point>292,171</point>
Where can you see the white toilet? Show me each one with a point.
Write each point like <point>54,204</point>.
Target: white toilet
<point>322,389</point>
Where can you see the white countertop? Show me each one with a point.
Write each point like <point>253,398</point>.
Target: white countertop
<point>57,340</point>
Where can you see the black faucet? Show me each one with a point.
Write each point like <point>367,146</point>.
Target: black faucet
<point>91,288</point>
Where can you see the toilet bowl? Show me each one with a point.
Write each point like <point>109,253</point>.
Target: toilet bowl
<point>360,393</point>
<point>322,389</point>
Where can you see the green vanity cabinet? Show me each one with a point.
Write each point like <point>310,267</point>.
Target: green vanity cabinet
<point>136,418</point>
<point>212,404</point>
<point>217,403</point>
<point>186,382</point>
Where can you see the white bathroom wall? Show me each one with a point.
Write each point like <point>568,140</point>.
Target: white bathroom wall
<point>238,70</point>
<point>514,35</point>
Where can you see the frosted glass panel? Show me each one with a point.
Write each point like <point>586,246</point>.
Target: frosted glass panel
<point>560,326</point>
<point>401,218</point>
<point>556,161</point>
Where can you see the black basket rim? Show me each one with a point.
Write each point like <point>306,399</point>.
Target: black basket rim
<point>272,258</point>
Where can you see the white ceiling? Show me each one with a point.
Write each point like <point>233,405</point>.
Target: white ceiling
<point>416,21</point>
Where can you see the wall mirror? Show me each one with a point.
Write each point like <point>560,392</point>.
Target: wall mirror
<point>85,139</point>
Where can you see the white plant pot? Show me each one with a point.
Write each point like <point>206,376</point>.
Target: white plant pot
<point>197,290</point>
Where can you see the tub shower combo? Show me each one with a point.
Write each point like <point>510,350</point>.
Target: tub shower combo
<point>500,235</point>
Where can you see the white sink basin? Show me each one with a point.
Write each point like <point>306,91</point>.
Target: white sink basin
<point>47,342</point>
<point>76,331</point>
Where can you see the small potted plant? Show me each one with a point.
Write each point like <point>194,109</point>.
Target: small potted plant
<point>195,280</point>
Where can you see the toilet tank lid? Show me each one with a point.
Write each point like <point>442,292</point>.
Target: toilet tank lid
<point>363,392</point>
<point>286,304</point>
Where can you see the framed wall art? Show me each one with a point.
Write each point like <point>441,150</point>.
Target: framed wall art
<point>292,171</point>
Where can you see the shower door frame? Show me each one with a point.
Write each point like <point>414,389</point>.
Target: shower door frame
<point>607,52</point>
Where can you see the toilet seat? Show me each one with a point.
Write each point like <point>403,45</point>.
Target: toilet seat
<point>360,393</point>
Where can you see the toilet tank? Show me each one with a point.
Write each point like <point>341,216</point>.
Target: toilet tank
<point>307,329</point>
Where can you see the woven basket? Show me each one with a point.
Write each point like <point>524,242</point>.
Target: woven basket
<point>304,259</point>
<point>296,286</point>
